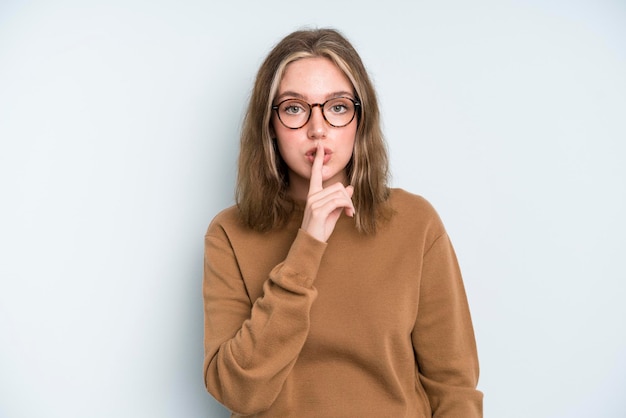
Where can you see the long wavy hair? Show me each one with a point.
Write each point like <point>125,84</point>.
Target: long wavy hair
<point>262,180</point>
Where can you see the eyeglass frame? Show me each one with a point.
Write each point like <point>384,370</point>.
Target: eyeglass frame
<point>356,103</point>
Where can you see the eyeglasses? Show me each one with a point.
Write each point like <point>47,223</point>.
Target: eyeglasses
<point>337,112</point>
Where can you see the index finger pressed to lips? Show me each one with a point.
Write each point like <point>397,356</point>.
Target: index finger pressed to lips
<point>315,184</point>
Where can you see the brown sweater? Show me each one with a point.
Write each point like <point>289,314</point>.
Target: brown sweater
<point>361,326</point>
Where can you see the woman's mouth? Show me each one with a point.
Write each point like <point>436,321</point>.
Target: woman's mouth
<point>310,155</point>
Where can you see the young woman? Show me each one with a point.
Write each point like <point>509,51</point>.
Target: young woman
<point>326,293</point>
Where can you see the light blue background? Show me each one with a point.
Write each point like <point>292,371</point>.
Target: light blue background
<point>119,134</point>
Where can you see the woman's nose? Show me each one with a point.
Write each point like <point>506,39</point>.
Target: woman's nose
<point>317,125</point>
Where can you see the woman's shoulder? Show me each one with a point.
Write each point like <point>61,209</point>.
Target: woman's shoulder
<point>402,200</point>
<point>412,209</point>
<point>226,219</point>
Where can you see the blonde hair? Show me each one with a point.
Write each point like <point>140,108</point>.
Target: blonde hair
<point>262,180</point>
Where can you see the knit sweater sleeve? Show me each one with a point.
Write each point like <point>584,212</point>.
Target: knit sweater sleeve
<point>443,337</point>
<point>251,346</point>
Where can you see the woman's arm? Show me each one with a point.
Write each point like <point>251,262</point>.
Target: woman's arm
<point>250,348</point>
<point>443,337</point>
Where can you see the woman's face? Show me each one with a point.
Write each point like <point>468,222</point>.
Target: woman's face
<point>314,80</point>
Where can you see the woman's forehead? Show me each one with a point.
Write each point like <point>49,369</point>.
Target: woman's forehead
<point>317,77</point>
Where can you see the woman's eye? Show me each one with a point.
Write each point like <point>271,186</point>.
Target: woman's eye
<point>293,109</point>
<point>338,108</point>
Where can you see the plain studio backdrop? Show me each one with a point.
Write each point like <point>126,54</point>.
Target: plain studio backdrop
<point>119,127</point>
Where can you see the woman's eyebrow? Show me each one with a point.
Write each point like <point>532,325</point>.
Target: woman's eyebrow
<point>341,94</point>
<point>289,94</point>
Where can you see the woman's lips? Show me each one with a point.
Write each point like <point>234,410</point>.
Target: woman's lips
<point>310,155</point>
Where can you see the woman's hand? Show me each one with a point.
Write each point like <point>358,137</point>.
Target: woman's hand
<point>324,205</point>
